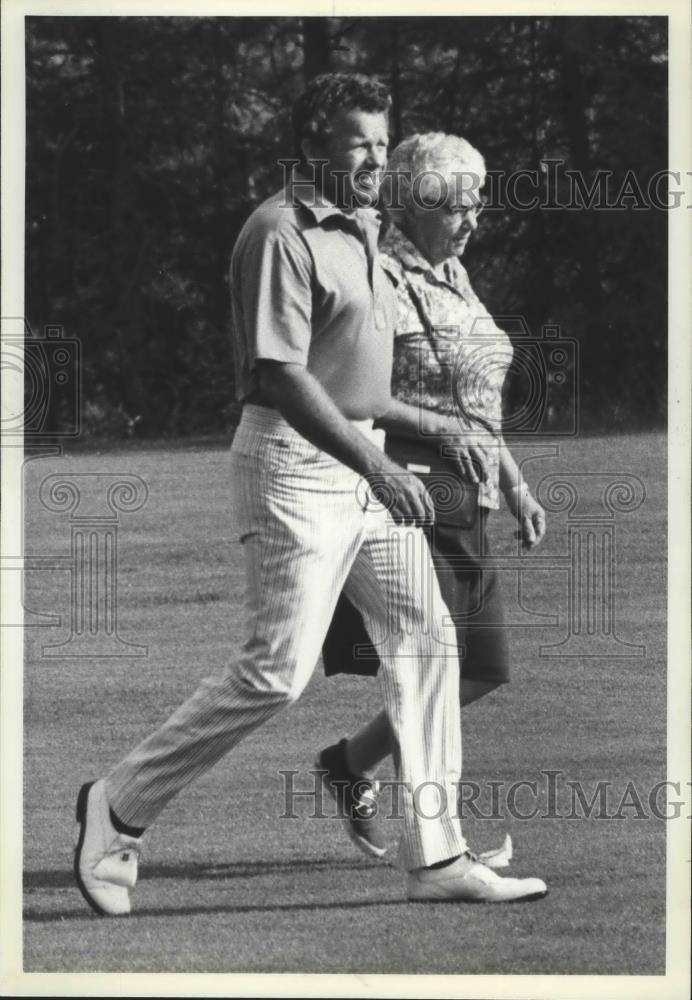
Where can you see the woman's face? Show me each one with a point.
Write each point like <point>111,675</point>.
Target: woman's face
<point>444,231</point>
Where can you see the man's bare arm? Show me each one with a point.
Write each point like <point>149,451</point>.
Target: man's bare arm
<point>305,405</point>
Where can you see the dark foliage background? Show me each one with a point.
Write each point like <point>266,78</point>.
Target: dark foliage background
<point>150,139</point>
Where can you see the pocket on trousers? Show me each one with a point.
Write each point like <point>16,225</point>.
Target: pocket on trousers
<point>290,453</point>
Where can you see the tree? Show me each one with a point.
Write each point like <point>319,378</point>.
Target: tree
<point>150,139</point>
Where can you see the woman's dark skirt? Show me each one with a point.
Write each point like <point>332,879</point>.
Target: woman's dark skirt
<point>471,593</point>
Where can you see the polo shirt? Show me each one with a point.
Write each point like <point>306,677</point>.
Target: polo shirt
<point>307,289</point>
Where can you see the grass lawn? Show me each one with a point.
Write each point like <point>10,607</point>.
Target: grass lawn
<point>227,885</point>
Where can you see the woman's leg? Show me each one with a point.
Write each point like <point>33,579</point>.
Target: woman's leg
<point>367,748</point>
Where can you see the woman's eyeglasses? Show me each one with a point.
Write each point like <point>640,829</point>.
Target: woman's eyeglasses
<point>465,211</point>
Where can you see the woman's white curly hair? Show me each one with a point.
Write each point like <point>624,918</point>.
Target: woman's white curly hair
<point>425,168</point>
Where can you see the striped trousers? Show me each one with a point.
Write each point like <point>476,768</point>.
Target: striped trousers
<point>309,528</point>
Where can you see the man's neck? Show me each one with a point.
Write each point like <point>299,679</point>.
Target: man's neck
<point>328,194</point>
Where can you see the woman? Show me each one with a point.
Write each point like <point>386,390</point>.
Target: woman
<point>450,362</point>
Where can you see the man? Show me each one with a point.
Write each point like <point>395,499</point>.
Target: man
<point>312,326</point>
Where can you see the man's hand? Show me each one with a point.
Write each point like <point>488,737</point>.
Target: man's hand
<point>529,514</point>
<point>403,494</point>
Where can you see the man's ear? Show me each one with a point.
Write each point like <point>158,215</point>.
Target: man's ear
<point>310,150</point>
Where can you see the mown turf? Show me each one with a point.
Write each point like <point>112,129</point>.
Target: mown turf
<point>227,885</point>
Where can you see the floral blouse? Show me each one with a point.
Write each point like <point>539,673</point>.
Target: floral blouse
<point>449,356</point>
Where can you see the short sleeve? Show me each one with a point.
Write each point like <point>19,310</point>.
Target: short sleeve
<point>273,289</point>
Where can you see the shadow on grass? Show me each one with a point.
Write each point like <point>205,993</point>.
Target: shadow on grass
<point>63,879</point>
<point>55,916</point>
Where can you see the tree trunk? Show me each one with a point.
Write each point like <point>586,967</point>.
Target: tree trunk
<point>316,47</point>
<point>541,285</point>
<point>397,128</point>
<point>574,43</point>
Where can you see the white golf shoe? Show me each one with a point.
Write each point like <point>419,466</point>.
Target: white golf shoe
<point>105,861</point>
<point>466,880</point>
<point>500,857</point>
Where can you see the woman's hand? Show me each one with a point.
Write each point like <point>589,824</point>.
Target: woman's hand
<point>466,447</point>
<point>529,514</point>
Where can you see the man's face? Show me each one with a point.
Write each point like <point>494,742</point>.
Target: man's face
<point>356,152</point>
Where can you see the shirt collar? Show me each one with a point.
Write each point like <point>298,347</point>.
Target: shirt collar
<point>398,245</point>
